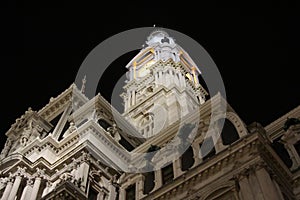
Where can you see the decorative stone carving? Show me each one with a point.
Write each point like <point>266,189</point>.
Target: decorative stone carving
<point>21,171</point>
<point>69,175</point>
<point>99,113</point>
<point>85,157</point>
<point>20,122</point>
<point>6,148</point>
<point>114,132</point>
<point>71,129</point>
<point>40,173</point>
<point>3,182</point>
<point>26,134</point>
<point>97,173</point>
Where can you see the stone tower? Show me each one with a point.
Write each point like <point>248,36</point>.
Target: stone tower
<point>162,85</point>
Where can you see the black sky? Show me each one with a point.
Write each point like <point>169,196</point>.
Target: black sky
<point>255,49</point>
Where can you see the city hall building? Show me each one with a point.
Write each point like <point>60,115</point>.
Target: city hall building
<point>80,148</point>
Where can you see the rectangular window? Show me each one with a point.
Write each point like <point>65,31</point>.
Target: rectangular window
<point>130,192</point>
<point>167,174</point>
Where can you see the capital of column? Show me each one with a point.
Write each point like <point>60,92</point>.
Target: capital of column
<point>21,171</point>
<point>85,157</point>
<point>40,173</point>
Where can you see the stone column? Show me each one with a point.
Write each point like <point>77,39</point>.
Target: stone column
<point>180,79</point>
<point>171,77</point>
<point>255,187</point>
<point>140,187</point>
<point>245,189</point>
<point>219,145</point>
<point>160,77</point>
<point>27,190</point>
<point>129,100</point>
<point>112,192</point>
<point>156,79</point>
<point>167,78</point>
<point>133,98</point>
<point>101,195</point>
<point>83,170</point>
<point>35,188</point>
<point>177,81</point>
<point>278,190</point>
<point>267,186</point>
<point>122,194</point>
<point>196,152</point>
<point>15,188</point>
<point>177,168</point>
<point>183,79</point>
<point>235,193</point>
<point>158,179</point>
<point>125,103</point>
<point>7,190</point>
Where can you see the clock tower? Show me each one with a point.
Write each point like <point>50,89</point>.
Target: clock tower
<point>162,85</point>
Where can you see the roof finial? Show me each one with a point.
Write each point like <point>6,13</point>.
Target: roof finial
<point>82,90</point>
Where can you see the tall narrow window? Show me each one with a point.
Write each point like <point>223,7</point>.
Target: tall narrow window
<point>126,144</point>
<point>148,182</point>
<point>187,159</point>
<point>207,148</point>
<point>130,192</point>
<point>167,173</point>
<point>66,126</point>
<point>92,194</point>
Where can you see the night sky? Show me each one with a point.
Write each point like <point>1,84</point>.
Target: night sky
<point>256,50</point>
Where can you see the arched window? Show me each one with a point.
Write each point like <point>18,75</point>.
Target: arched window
<point>187,159</point>
<point>229,133</point>
<point>149,182</point>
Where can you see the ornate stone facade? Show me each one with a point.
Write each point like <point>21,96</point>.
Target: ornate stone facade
<point>80,148</point>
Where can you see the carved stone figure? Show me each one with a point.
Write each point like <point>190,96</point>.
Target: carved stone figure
<point>26,134</point>
<point>114,132</point>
